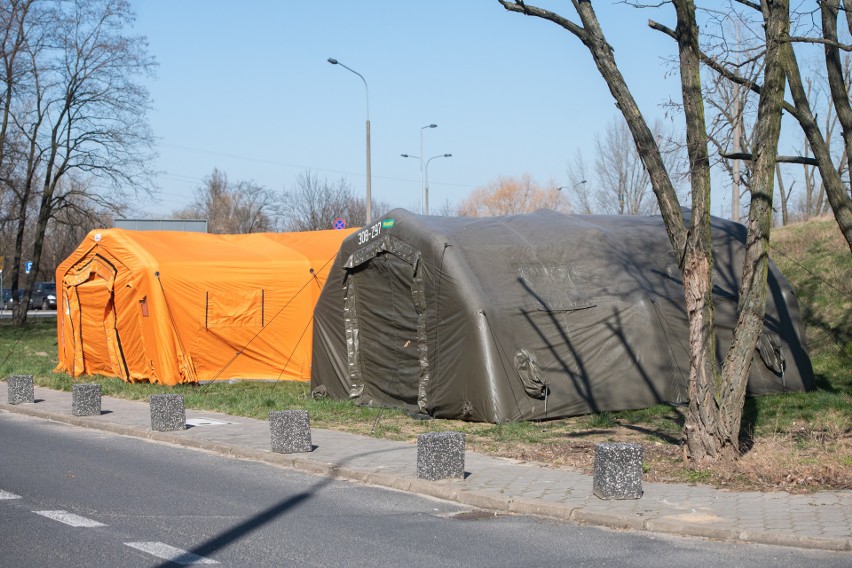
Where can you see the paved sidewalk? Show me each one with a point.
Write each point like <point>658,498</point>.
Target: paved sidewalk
<point>819,521</point>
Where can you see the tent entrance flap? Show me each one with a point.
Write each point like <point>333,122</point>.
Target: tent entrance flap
<point>385,331</point>
<point>90,316</point>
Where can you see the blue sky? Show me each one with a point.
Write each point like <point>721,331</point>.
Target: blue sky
<point>245,87</point>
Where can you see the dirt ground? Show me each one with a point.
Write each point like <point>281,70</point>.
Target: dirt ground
<point>780,463</point>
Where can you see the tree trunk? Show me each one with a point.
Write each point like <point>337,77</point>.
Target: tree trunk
<point>835,190</point>
<point>737,135</point>
<point>704,438</point>
<point>715,400</point>
<point>785,219</point>
<point>834,67</point>
<point>751,308</point>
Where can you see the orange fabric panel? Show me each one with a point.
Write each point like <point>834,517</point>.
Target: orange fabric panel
<point>98,350</point>
<point>184,307</point>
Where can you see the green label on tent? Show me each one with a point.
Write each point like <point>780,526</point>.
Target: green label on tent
<point>388,223</point>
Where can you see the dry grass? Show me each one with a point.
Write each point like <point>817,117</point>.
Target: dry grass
<point>805,457</point>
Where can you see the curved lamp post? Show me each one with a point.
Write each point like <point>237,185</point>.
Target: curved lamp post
<point>573,187</point>
<point>422,172</point>
<point>421,176</point>
<point>334,61</point>
<point>426,193</point>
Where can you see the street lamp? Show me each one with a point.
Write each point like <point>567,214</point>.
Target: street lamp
<point>426,194</point>
<point>334,61</point>
<point>573,187</point>
<point>422,185</point>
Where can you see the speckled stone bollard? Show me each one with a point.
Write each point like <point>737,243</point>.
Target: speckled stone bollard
<point>291,431</point>
<point>86,399</point>
<point>167,412</point>
<point>440,455</point>
<point>20,389</point>
<point>618,471</point>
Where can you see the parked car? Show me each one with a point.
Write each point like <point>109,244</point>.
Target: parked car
<point>8,302</point>
<point>44,296</point>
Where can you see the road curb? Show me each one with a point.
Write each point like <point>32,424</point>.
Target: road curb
<point>450,489</point>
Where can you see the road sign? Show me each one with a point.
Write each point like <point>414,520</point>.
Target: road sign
<point>28,266</point>
<point>339,223</point>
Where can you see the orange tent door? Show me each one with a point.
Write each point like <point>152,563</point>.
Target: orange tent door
<point>97,335</point>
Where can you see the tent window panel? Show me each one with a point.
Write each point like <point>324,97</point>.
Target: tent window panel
<point>234,308</point>
<point>555,288</point>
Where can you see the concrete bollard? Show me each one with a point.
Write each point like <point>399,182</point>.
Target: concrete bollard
<point>291,431</point>
<point>440,455</point>
<point>618,471</point>
<point>20,389</point>
<point>167,412</point>
<point>86,399</point>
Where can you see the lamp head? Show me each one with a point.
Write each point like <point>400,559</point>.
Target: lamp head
<point>332,60</point>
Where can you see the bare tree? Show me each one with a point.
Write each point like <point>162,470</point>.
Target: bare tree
<point>622,186</point>
<point>509,196</point>
<point>446,209</point>
<point>838,76</point>
<point>75,108</point>
<point>314,203</point>
<point>72,222</point>
<point>715,398</point>
<point>732,111</point>
<point>579,188</point>
<point>15,22</point>
<point>837,192</point>
<point>240,208</point>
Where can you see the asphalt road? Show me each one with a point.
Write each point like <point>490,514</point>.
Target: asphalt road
<point>74,497</point>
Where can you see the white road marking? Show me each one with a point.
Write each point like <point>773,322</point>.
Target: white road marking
<point>170,553</point>
<point>203,421</point>
<point>7,495</point>
<point>70,519</point>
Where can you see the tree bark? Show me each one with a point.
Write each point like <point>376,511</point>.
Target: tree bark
<point>835,190</point>
<point>704,439</point>
<point>751,308</point>
<point>834,67</point>
<point>785,196</point>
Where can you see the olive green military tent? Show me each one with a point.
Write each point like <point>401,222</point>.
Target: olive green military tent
<point>531,316</point>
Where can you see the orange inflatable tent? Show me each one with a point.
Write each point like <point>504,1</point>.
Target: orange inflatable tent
<point>172,307</point>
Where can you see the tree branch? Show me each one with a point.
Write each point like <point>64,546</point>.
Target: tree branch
<point>782,159</point>
<point>724,72</point>
<point>521,7</point>
<point>819,40</point>
<point>753,5</point>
